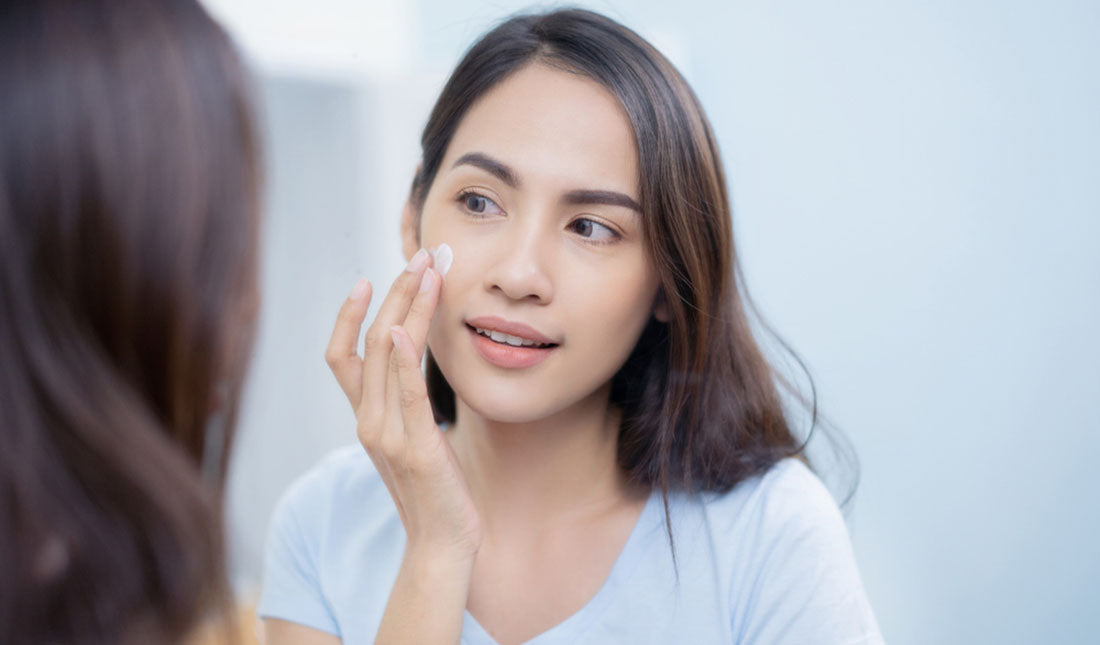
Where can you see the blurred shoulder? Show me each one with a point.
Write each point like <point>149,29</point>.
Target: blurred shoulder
<point>788,496</point>
<point>344,474</point>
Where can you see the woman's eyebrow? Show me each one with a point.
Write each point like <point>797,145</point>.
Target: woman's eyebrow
<point>607,197</point>
<point>490,165</point>
<point>574,197</point>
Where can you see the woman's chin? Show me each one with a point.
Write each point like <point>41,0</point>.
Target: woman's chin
<point>502,407</point>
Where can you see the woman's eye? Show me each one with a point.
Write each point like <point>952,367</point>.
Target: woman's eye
<point>593,231</point>
<point>478,204</point>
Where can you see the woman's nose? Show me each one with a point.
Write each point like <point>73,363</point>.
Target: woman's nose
<point>521,268</point>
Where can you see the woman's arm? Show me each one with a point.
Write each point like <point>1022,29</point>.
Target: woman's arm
<point>284,632</point>
<point>428,600</point>
<point>425,606</point>
<point>387,390</point>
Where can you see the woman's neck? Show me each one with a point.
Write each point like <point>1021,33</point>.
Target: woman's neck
<point>528,477</point>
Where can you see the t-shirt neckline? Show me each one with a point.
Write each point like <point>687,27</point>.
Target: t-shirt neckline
<point>570,628</point>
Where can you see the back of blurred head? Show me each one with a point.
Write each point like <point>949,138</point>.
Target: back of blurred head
<point>128,217</point>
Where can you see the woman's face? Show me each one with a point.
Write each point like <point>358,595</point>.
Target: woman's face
<point>538,197</point>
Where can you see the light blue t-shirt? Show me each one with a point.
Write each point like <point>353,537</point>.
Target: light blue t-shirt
<point>768,562</point>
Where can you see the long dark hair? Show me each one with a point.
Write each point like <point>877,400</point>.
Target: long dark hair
<point>128,222</point>
<point>701,405</point>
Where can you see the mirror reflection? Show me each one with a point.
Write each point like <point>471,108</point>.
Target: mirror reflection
<point>593,390</point>
<point>483,322</point>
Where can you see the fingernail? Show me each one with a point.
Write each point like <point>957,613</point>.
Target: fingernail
<point>426,281</point>
<point>359,290</point>
<point>418,261</point>
<point>444,256</point>
<point>394,335</point>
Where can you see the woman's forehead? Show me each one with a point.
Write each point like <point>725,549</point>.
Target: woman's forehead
<point>547,125</point>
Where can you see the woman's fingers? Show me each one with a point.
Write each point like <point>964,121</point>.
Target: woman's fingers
<point>394,434</point>
<point>342,353</point>
<point>416,409</point>
<point>423,308</point>
<point>377,343</point>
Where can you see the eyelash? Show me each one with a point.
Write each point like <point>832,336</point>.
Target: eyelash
<point>466,194</point>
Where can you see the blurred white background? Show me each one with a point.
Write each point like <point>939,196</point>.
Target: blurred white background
<point>917,202</point>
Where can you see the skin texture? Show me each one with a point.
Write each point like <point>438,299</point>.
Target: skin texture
<point>524,491</point>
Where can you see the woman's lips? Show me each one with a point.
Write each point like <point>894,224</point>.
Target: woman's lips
<point>508,356</point>
<point>521,330</point>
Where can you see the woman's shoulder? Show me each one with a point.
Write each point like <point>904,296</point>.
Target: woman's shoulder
<point>333,524</point>
<point>340,477</point>
<point>783,543</point>
<point>786,496</point>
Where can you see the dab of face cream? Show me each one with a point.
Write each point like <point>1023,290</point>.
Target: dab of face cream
<point>443,256</point>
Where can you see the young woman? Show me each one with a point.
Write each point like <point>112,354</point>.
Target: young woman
<point>598,453</point>
<point>128,217</point>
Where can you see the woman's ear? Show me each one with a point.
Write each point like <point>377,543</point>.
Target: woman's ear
<point>410,220</point>
<point>410,229</point>
<point>660,307</point>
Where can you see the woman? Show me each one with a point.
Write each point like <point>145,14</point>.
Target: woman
<point>594,371</point>
<point>128,218</point>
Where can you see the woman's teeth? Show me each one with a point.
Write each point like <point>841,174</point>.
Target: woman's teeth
<point>515,341</point>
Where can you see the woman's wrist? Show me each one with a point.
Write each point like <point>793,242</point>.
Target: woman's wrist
<point>439,563</point>
<point>428,598</point>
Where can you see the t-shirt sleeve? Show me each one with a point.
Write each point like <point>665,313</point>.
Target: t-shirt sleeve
<point>292,585</point>
<point>807,588</point>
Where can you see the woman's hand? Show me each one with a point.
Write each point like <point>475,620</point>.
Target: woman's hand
<point>388,392</point>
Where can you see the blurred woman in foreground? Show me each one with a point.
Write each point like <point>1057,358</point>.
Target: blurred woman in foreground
<point>129,178</point>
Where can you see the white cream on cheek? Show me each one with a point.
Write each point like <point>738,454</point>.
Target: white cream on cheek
<point>443,258</point>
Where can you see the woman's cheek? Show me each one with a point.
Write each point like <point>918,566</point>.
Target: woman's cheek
<point>455,289</point>
<point>622,298</point>
<point>468,254</point>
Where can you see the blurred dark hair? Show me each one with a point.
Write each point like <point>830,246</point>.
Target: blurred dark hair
<point>129,182</point>
<point>701,406</point>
